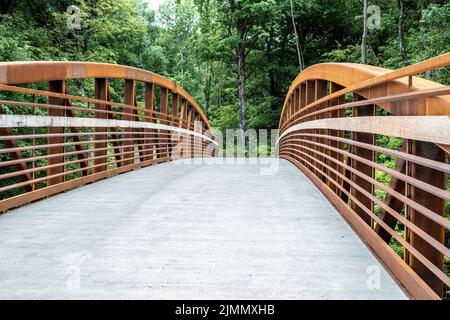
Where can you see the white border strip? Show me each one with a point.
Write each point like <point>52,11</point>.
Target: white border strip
<point>435,129</point>
<point>26,121</point>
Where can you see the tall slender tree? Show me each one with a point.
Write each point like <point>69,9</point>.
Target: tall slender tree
<point>244,19</point>
<point>297,39</point>
<point>365,35</point>
<point>205,45</point>
<point>401,32</point>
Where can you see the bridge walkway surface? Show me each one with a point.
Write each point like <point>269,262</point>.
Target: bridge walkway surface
<point>198,231</point>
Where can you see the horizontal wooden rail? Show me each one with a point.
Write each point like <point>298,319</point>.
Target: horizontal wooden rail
<point>27,121</point>
<point>434,129</point>
<point>153,117</point>
<point>333,121</point>
<point>54,140</point>
<point>358,78</point>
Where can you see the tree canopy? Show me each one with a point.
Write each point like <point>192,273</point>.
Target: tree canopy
<point>231,54</point>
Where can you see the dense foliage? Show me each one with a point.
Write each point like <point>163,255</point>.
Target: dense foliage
<point>195,42</point>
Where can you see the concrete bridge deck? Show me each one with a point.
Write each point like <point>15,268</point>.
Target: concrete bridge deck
<point>176,231</point>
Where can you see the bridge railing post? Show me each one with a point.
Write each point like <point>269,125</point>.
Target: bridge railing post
<point>310,97</point>
<point>57,162</point>
<point>174,118</point>
<point>434,203</point>
<point>128,133</point>
<point>321,90</point>
<point>149,107</point>
<point>101,93</point>
<point>339,134</point>
<point>189,127</point>
<point>163,109</point>
<point>369,138</point>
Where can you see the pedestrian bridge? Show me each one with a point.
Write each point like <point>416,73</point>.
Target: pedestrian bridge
<point>128,195</point>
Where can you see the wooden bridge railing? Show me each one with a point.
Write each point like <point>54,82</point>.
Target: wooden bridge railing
<point>332,118</point>
<point>51,140</point>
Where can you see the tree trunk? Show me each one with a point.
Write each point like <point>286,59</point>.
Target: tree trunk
<point>242,99</point>
<point>219,93</point>
<point>297,40</point>
<point>241,30</point>
<point>207,88</point>
<point>365,35</point>
<point>401,32</point>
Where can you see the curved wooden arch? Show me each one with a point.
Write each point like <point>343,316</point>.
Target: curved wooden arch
<point>372,82</point>
<point>14,73</point>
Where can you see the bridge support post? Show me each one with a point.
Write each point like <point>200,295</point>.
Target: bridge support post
<point>296,100</point>
<point>181,124</point>
<point>174,120</point>
<point>183,113</point>
<point>174,109</point>
<point>163,109</point>
<point>149,105</point>
<point>128,146</point>
<point>336,133</point>
<point>288,107</point>
<point>297,106</point>
<point>432,202</point>
<point>190,141</point>
<point>58,86</point>
<point>320,92</point>
<point>115,135</point>
<point>310,96</point>
<point>368,110</point>
<point>101,93</point>
<point>303,102</point>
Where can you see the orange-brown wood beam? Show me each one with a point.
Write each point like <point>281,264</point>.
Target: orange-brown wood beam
<point>321,90</point>
<point>366,154</point>
<point>432,202</point>
<point>101,93</point>
<point>149,105</point>
<point>164,110</point>
<point>335,144</point>
<point>129,99</point>
<point>58,86</point>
